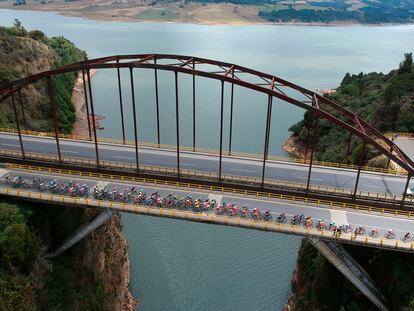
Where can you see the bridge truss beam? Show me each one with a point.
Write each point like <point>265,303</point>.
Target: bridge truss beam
<point>83,231</point>
<point>273,87</point>
<point>346,264</point>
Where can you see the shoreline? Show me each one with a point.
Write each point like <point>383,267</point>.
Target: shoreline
<point>80,127</point>
<point>293,147</point>
<point>127,19</point>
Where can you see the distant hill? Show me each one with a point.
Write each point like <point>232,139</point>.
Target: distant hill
<point>384,100</point>
<point>231,11</point>
<point>326,11</point>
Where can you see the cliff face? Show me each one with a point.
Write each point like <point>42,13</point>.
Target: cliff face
<point>108,251</point>
<point>95,273</point>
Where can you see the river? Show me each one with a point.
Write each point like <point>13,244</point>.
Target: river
<point>178,265</point>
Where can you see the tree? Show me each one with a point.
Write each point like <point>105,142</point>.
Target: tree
<point>17,24</point>
<point>407,64</point>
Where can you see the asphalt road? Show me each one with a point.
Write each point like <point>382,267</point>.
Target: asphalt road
<point>291,172</point>
<point>406,144</point>
<point>400,224</point>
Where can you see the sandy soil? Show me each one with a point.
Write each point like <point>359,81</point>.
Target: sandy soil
<point>137,10</point>
<point>80,128</point>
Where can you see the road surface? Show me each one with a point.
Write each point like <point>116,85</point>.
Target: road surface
<point>277,170</point>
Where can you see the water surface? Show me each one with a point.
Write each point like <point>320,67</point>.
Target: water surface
<point>178,265</point>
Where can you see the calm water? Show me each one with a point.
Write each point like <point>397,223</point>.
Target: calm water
<point>186,266</point>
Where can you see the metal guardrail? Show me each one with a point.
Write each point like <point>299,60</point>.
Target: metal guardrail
<point>404,134</point>
<point>195,186</point>
<point>212,218</point>
<point>152,169</point>
<point>212,151</point>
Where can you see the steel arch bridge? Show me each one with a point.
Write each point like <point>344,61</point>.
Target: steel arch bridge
<point>226,73</point>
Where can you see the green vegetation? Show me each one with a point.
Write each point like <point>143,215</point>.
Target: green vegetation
<point>30,282</point>
<point>308,11</point>
<point>27,52</point>
<point>153,13</point>
<point>384,100</point>
<point>393,272</point>
<point>19,247</point>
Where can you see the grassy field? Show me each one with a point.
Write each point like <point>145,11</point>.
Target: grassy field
<point>158,14</point>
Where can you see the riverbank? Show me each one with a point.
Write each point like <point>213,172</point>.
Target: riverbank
<point>212,14</point>
<point>107,247</point>
<point>80,126</point>
<point>294,147</point>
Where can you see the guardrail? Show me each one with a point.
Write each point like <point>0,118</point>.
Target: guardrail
<point>194,174</point>
<point>391,134</point>
<point>228,190</point>
<point>212,218</point>
<point>212,151</point>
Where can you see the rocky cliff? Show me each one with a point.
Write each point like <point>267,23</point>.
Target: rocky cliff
<point>95,273</point>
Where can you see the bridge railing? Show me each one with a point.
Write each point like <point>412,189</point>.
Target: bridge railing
<point>212,218</point>
<point>236,179</point>
<point>229,190</point>
<point>210,151</point>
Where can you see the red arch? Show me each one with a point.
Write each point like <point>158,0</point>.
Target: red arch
<point>235,74</point>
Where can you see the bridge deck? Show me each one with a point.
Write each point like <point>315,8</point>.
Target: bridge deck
<point>372,184</point>
<point>381,221</point>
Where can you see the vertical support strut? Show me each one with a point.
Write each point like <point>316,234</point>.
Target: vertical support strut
<point>54,115</point>
<point>93,117</point>
<point>307,142</point>
<point>267,135</point>
<point>221,128</point>
<point>177,123</point>
<point>312,141</point>
<point>120,102</point>
<point>348,147</point>
<point>389,159</point>
<point>194,109</point>
<point>18,127</point>
<point>87,105</point>
<point>361,162</point>
<point>231,113</point>
<point>131,75</point>
<point>21,107</point>
<point>157,105</point>
<point>407,184</point>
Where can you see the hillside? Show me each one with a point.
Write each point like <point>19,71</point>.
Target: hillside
<point>384,100</point>
<point>230,11</point>
<point>318,285</point>
<point>27,52</point>
<point>84,277</point>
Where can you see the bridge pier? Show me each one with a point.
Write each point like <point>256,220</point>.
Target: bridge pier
<point>343,261</point>
<point>83,231</point>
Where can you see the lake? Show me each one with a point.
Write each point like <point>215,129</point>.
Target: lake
<point>178,265</point>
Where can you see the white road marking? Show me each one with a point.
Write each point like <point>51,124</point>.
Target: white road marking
<point>102,184</point>
<point>12,145</point>
<point>187,164</point>
<point>239,170</point>
<point>121,157</point>
<point>376,187</point>
<point>3,172</point>
<point>217,197</point>
<point>317,179</point>
<point>339,217</point>
<point>69,151</point>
